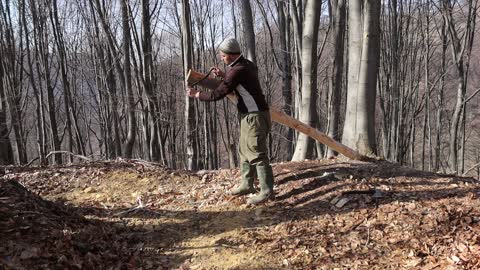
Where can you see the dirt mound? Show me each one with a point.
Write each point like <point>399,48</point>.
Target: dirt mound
<point>39,234</point>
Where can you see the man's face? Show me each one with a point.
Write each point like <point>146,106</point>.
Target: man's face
<point>227,58</point>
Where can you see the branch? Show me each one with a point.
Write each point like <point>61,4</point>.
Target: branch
<point>473,167</point>
<point>264,14</point>
<point>31,161</point>
<point>70,153</point>
<point>323,43</point>
<point>471,96</point>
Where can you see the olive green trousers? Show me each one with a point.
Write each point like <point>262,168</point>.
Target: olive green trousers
<point>254,129</point>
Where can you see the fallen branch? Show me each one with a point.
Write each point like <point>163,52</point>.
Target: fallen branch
<point>140,207</point>
<point>148,163</point>
<point>132,210</point>
<point>69,153</point>
<point>31,161</point>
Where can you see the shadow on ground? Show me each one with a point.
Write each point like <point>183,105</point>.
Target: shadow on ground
<point>303,193</point>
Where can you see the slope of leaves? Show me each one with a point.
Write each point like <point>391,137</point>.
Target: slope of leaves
<point>40,234</point>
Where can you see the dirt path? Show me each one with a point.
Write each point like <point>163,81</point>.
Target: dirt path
<point>329,214</point>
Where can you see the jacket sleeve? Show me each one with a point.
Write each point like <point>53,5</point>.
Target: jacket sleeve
<point>228,85</point>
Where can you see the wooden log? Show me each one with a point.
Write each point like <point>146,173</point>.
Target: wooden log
<point>197,78</point>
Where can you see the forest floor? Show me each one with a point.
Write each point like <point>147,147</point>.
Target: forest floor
<point>329,214</point>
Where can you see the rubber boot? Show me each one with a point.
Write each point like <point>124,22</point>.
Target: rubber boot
<point>246,186</point>
<point>265,177</point>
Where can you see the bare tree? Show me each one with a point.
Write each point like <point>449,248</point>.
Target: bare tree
<point>39,116</point>
<point>286,68</point>
<point>281,56</point>
<point>132,122</point>
<point>248,32</point>
<point>5,145</point>
<point>11,46</point>
<point>363,57</point>
<point>338,20</point>
<point>311,23</point>
<point>72,126</point>
<point>187,49</point>
<point>296,13</point>
<point>101,78</point>
<point>109,60</point>
<point>45,70</point>
<point>461,36</point>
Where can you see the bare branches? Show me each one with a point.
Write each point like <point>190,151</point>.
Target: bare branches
<point>68,153</point>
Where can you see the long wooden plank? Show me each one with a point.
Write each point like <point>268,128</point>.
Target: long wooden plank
<point>196,78</point>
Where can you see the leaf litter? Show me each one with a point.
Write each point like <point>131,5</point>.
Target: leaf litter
<point>328,214</point>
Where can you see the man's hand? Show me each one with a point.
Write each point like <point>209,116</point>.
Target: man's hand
<point>218,72</point>
<point>192,92</point>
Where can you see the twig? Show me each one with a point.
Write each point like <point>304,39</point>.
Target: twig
<point>472,96</point>
<point>140,206</point>
<point>368,236</point>
<point>354,226</point>
<point>31,161</point>
<point>148,163</point>
<point>134,209</point>
<point>67,152</point>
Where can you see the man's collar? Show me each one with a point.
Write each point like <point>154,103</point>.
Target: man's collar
<point>236,60</point>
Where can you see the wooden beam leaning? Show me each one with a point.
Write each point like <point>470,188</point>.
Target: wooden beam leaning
<point>197,78</point>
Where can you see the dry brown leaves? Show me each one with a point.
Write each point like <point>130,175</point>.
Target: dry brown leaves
<point>40,234</point>
<point>329,214</point>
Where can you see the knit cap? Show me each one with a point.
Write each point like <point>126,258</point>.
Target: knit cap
<point>230,46</point>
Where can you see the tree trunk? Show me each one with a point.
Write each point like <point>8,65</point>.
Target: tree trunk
<point>440,98</point>
<point>41,140</point>
<point>113,60</point>
<point>297,34</point>
<point>44,71</point>
<point>286,68</point>
<point>461,44</point>
<point>6,158</point>
<point>363,56</point>
<point>248,33</point>
<point>114,121</point>
<point>62,59</point>
<point>304,146</point>
<point>12,60</point>
<point>338,38</point>
<point>187,53</point>
<point>132,122</point>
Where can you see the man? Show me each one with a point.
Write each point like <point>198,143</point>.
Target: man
<point>255,123</point>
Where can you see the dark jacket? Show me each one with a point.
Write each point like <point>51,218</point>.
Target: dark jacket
<point>242,79</point>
